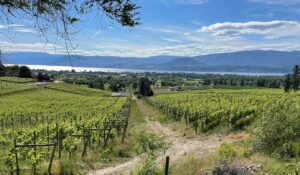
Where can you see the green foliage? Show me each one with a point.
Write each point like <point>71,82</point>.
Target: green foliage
<point>2,68</point>
<point>78,89</point>
<point>71,145</point>
<point>149,167</point>
<point>68,12</point>
<point>279,167</point>
<point>24,72</point>
<point>278,129</point>
<point>296,78</point>
<point>208,109</point>
<point>149,142</point>
<point>68,110</point>
<point>287,83</point>
<point>43,77</point>
<point>226,151</point>
<point>144,87</point>
<point>17,80</point>
<point>8,87</point>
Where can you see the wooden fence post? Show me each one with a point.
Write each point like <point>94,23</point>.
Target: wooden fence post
<point>167,165</point>
<point>51,158</point>
<point>59,143</point>
<point>16,156</point>
<point>34,147</point>
<point>48,137</point>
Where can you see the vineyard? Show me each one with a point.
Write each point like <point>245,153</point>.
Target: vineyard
<point>208,109</point>
<point>77,89</point>
<point>17,80</point>
<point>9,88</point>
<point>39,128</point>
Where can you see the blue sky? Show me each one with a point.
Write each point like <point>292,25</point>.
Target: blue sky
<point>177,27</point>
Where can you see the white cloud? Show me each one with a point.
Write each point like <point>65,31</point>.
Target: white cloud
<point>168,30</point>
<point>268,29</point>
<point>18,28</point>
<point>24,30</point>
<point>30,47</point>
<point>172,40</point>
<point>180,41</point>
<point>207,46</point>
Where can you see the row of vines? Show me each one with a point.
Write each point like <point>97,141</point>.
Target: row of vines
<point>42,127</point>
<point>208,109</point>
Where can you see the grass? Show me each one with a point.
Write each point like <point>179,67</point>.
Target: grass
<point>10,88</point>
<point>78,89</point>
<point>180,127</point>
<point>263,164</point>
<point>17,80</point>
<point>191,165</point>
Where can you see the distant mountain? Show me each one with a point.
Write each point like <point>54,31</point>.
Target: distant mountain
<point>244,61</point>
<point>253,58</point>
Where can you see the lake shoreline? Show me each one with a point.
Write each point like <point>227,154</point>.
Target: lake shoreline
<point>124,70</point>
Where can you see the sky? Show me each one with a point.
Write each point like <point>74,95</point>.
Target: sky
<point>176,27</point>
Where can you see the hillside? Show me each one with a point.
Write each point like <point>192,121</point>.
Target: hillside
<point>244,61</point>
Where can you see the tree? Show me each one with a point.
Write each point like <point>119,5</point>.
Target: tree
<point>242,82</point>
<point>24,72</point>
<point>115,87</point>
<point>144,87</point>
<point>2,68</point>
<point>296,78</point>
<point>101,85</point>
<point>62,15</point>
<point>43,77</point>
<point>287,83</point>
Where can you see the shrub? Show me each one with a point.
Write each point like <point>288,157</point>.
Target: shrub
<point>149,142</point>
<point>2,69</point>
<point>224,169</point>
<point>149,167</point>
<point>24,72</point>
<point>43,77</point>
<point>276,132</point>
<point>226,151</point>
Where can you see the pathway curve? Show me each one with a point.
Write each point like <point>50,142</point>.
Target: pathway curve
<point>180,146</point>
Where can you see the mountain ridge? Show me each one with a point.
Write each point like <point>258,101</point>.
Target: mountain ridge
<point>242,61</point>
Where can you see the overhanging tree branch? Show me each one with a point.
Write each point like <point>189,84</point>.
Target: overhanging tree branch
<point>61,16</point>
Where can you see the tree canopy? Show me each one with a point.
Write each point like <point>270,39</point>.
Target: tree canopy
<point>24,72</point>
<point>292,81</point>
<point>144,87</point>
<point>60,15</point>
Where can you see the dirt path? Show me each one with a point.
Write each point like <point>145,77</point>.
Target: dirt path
<point>121,169</point>
<point>42,83</point>
<point>180,146</point>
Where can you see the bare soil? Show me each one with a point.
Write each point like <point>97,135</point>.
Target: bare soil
<point>198,146</point>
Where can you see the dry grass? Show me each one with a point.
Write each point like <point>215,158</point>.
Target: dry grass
<point>193,166</point>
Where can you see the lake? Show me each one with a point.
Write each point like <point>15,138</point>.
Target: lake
<point>119,70</point>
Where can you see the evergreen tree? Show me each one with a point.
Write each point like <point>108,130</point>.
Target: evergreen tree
<point>101,85</point>
<point>295,78</point>
<point>24,72</point>
<point>144,87</point>
<point>242,82</point>
<point>2,68</point>
<point>287,83</point>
